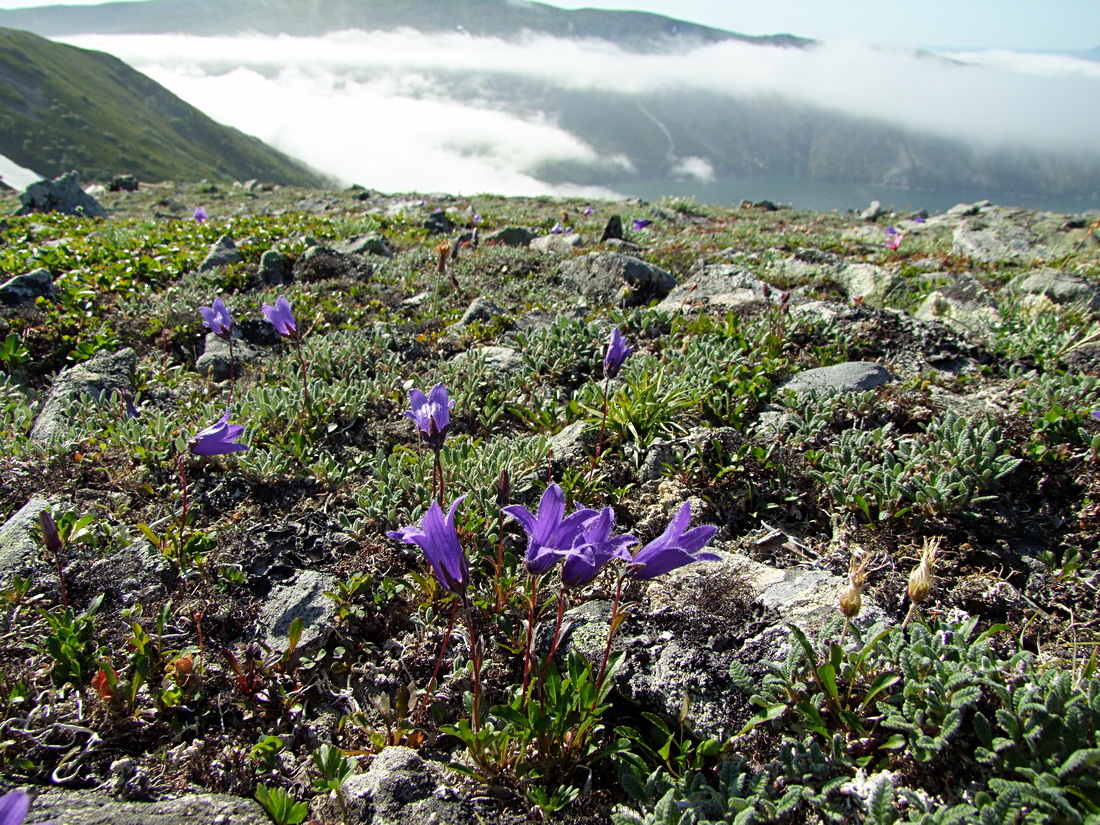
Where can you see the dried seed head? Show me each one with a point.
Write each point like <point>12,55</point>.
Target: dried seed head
<point>920,580</point>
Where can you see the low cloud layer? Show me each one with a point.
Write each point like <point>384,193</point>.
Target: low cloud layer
<point>372,108</point>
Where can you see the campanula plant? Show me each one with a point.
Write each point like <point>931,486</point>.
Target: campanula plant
<point>438,539</point>
<point>282,318</point>
<point>613,360</point>
<point>13,808</point>
<point>432,415</point>
<point>218,320</point>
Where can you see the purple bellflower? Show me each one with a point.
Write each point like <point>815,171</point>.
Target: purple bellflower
<point>556,230</point>
<point>1096,415</point>
<point>439,541</point>
<point>617,353</point>
<point>220,438</point>
<point>640,223</point>
<point>431,413</point>
<point>893,238</point>
<point>200,214</point>
<point>588,210</point>
<point>673,548</point>
<point>13,808</point>
<point>217,319</point>
<point>550,534</point>
<point>280,317</point>
<point>595,536</point>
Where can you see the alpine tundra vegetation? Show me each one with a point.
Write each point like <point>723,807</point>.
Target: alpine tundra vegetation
<point>713,514</point>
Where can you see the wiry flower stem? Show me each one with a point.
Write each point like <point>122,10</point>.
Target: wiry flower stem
<point>556,638</point>
<point>232,377</point>
<point>615,622</point>
<point>532,605</point>
<point>603,422</point>
<point>306,403</point>
<point>437,478</point>
<point>475,662</point>
<point>425,700</point>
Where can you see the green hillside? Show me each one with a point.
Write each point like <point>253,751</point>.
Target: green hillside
<point>65,108</point>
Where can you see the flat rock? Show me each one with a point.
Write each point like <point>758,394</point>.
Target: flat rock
<point>557,244</point>
<point>21,541</point>
<point>214,361</point>
<point>366,245</point>
<point>610,277</point>
<point>97,808</point>
<point>963,304</point>
<point>497,359</point>
<point>1060,287</point>
<point>724,286</point>
<point>399,788</point>
<point>510,236</point>
<point>303,598</point>
<point>96,380</point>
<point>851,376</point>
<point>480,309</point>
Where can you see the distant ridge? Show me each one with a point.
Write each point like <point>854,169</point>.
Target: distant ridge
<point>635,31</point>
<point>64,108</point>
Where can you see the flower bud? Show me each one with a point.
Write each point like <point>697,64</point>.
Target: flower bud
<point>920,582</point>
<point>850,601</point>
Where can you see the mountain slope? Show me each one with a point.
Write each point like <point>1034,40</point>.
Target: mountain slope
<point>636,31</point>
<point>65,108</point>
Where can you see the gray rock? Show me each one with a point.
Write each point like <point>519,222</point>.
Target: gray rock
<point>97,808</point>
<point>963,304</point>
<point>62,195</point>
<point>366,245</point>
<point>609,277</point>
<point>613,230</point>
<point>320,263</point>
<point>480,309</point>
<point>274,268</point>
<point>21,541</point>
<point>399,788</point>
<point>852,376</point>
<point>1060,287</point>
<point>723,286</point>
<point>510,236</point>
<point>223,252</point>
<point>214,361</point>
<point>305,598</point>
<point>25,289</point>
<point>557,244</point>
<point>698,620</point>
<point>438,223</point>
<point>571,444</point>
<point>123,183</point>
<point>873,212</point>
<point>497,359</point>
<point>871,284</point>
<point>97,379</point>
<point>998,237</point>
<point>966,210</point>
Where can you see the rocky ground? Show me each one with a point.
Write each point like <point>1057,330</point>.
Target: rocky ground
<point>822,387</point>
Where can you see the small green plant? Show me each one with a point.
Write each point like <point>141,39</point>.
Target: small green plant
<point>12,352</point>
<point>283,808</point>
<point>73,644</point>
<point>335,769</point>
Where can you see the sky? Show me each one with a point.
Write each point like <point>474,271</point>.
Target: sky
<point>383,96</point>
<point>1042,25</point>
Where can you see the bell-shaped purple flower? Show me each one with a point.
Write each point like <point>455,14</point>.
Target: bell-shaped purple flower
<point>594,547</point>
<point>617,353</point>
<point>588,210</point>
<point>200,214</point>
<point>550,534</point>
<point>673,548</point>
<point>220,438</point>
<point>439,541</point>
<point>640,223</point>
<point>280,317</point>
<point>13,808</point>
<point>217,319</point>
<point>556,229</point>
<point>431,413</point>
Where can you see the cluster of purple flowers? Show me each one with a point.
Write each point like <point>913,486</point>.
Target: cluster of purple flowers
<point>220,438</point>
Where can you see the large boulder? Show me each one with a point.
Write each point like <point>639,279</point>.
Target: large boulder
<point>62,195</point>
<point>609,277</point>
<point>104,376</point>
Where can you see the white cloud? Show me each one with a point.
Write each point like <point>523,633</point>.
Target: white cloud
<point>700,169</point>
<point>371,107</point>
